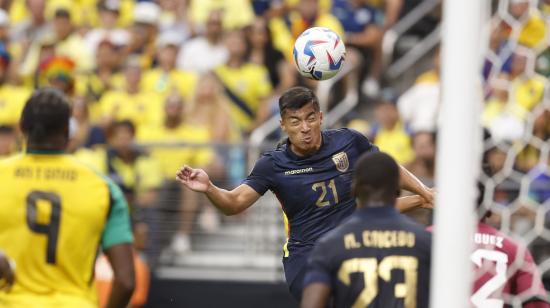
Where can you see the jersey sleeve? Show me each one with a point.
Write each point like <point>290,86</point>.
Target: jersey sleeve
<point>117,229</point>
<point>363,143</point>
<point>260,179</point>
<point>319,266</point>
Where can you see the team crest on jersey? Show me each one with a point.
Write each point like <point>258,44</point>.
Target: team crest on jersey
<point>341,161</point>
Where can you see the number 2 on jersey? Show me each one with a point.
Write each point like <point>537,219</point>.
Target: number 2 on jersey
<point>371,270</point>
<point>321,201</point>
<point>481,297</point>
<point>51,230</point>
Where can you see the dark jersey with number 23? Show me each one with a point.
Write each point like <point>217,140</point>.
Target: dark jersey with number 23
<point>376,259</point>
<point>314,191</point>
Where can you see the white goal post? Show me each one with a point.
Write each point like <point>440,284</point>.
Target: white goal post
<point>458,155</point>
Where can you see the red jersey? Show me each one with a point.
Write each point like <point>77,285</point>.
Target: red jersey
<point>504,269</point>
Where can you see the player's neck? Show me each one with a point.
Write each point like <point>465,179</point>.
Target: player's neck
<point>45,147</point>
<point>301,153</point>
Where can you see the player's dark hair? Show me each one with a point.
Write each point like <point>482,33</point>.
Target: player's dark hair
<point>45,119</point>
<point>296,98</point>
<point>376,179</point>
<point>121,124</point>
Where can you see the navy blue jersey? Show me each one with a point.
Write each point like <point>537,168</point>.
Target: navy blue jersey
<point>314,191</point>
<point>376,258</point>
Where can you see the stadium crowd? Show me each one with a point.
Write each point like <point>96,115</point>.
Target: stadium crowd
<point>159,84</point>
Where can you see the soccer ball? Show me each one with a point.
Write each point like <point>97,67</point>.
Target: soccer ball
<point>319,53</point>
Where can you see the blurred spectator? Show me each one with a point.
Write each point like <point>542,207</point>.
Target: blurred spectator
<point>83,132</point>
<point>237,13</point>
<point>362,24</point>
<point>210,109</point>
<point>137,173</point>
<point>4,27</point>
<point>174,17</point>
<point>93,85</point>
<point>69,43</point>
<point>282,74</point>
<point>423,165</point>
<point>143,33</point>
<point>307,14</point>
<point>108,30</point>
<point>419,105</point>
<point>204,53</point>
<point>247,85</point>
<point>32,27</point>
<point>131,103</point>
<point>174,130</point>
<point>12,97</point>
<point>57,72</point>
<point>390,135</point>
<point>533,28</point>
<point>8,141</point>
<point>166,77</point>
<point>527,89</point>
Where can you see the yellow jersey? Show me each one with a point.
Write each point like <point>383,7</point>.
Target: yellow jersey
<point>12,101</point>
<point>142,108</point>
<point>171,158</point>
<point>155,80</point>
<point>54,215</point>
<point>245,87</point>
<point>395,142</point>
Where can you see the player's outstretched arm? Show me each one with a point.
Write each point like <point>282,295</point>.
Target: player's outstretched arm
<point>315,295</point>
<point>229,202</point>
<point>122,261</point>
<point>6,273</point>
<point>407,203</point>
<point>411,183</point>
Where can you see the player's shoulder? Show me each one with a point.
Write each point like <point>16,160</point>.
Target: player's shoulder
<point>343,134</point>
<point>10,161</point>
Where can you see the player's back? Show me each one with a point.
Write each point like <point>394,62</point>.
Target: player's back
<point>504,269</point>
<point>377,258</point>
<point>52,216</point>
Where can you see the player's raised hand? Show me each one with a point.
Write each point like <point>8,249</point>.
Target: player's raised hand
<point>6,273</point>
<point>194,179</point>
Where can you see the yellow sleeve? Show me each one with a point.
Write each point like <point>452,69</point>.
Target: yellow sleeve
<point>263,84</point>
<point>282,38</point>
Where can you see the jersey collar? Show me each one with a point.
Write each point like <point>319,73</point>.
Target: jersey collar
<point>46,152</point>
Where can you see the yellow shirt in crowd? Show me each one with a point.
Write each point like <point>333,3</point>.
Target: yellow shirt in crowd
<point>395,142</point>
<point>12,101</point>
<point>142,108</point>
<point>155,80</point>
<point>250,85</point>
<point>171,158</point>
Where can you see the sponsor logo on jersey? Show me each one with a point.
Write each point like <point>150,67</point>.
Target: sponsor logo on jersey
<point>299,171</point>
<point>341,161</point>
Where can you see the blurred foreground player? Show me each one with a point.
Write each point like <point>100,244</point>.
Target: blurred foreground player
<point>376,258</point>
<point>311,176</point>
<point>504,269</point>
<point>6,272</point>
<point>54,214</point>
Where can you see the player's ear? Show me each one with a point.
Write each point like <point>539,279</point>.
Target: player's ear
<point>321,117</point>
<point>282,124</point>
